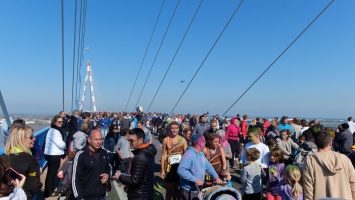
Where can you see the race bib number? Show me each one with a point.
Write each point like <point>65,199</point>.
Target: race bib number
<point>175,159</point>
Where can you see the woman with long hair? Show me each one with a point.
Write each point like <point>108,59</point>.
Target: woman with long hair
<point>174,146</point>
<point>215,153</point>
<point>11,189</point>
<point>110,143</point>
<point>18,156</point>
<point>53,152</point>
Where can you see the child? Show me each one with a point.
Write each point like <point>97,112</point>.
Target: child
<point>65,174</point>
<point>226,177</point>
<point>226,146</point>
<point>290,189</point>
<point>302,139</point>
<point>251,176</point>
<point>276,173</point>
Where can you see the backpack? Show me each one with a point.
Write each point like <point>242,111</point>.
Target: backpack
<point>305,149</point>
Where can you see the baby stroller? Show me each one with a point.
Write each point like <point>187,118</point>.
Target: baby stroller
<point>220,192</point>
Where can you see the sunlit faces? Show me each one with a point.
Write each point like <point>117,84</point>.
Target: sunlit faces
<point>215,142</point>
<point>273,158</point>
<point>59,122</point>
<point>134,142</point>
<point>29,139</point>
<point>188,135</point>
<point>236,122</point>
<point>284,135</point>
<point>174,129</point>
<point>95,139</point>
<point>251,137</point>
<point>214,125</point>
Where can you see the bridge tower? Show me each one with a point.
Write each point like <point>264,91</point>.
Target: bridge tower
<point>88,76</point>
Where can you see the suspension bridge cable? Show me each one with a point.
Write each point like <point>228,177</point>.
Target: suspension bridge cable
<point>62,10</point>
<point>182,40</point>
<point>146,50</point>
<point>72,89</point>
<point>83,38</point>
<point>83,26</point>
<point>78,54</point>
<point>304,30</point>
<point>166,31</point>
<point>230,19</point>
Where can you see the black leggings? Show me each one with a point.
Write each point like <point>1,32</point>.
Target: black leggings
<point>53,163</point>
<point>235,147</point>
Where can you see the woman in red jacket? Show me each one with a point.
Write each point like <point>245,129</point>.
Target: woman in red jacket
<point>232,136</point>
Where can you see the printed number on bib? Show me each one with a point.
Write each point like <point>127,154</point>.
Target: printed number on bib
<point>175,159</point>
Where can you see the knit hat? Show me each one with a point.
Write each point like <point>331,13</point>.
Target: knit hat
<point>345,126</point>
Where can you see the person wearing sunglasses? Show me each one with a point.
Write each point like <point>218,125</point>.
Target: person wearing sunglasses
<point>110,142</point>
<point>53,152</point>
<point>140,182</point>
<point>18,156</point>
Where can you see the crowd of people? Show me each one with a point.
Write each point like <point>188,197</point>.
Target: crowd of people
<point>278,159</point>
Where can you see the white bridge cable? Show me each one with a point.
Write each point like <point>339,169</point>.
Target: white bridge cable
<point>230,19</point>
<point>146,50</point>
<point>304,30</point>
<point>166,31</point>
<point>182,40</point>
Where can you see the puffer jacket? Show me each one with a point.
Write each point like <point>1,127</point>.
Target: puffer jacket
<point>140,182</point>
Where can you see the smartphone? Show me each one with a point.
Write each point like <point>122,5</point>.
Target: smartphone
<point>11,173</point>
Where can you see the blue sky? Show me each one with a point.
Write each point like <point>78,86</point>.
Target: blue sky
<point>314,78</point>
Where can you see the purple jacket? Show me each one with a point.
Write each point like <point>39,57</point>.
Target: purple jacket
<point>284,190</point>
<point>273,181</point>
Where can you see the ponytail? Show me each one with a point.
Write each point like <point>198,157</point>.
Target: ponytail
<point>293,176</point>
<point>296,189</point>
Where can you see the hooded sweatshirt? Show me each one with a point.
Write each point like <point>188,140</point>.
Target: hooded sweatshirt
<point>193,166</point>
<point>328,174</point>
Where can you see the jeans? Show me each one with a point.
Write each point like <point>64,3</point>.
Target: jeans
<point>187,195</point>
<point>124,165</point>
<point>113,162</point>
<point>104,132</point>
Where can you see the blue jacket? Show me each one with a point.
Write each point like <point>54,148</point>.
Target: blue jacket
<point>104,123</point>
<point>193,166</point>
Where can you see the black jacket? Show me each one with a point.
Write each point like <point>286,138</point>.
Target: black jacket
<point>27,165</point>
<point>141,181</point>
<point>72,127</point>
<point>343,142</point>
<point>86,174</point>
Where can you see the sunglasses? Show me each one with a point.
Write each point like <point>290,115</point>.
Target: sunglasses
<point>31,137</point>
<point>131,140</point>
<point>59,122</point>
<point>115,128</point>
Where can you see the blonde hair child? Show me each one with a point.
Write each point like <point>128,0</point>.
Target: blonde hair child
<point>291,189</point>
